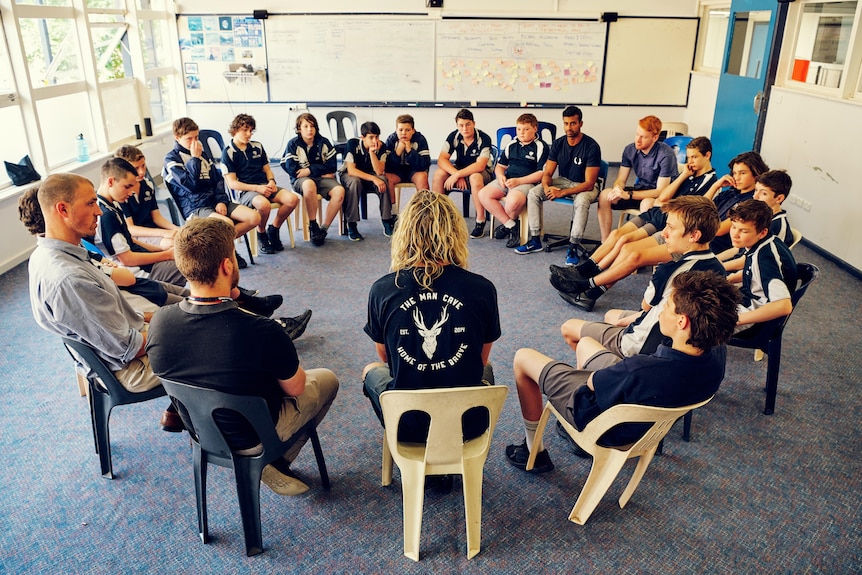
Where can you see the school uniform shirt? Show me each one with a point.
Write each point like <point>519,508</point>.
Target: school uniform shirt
<point>357,154</point>
<point>113,237</point>
<point>769,274</point>
<point>417,159</point>
<point>246,164</point>
<point>693,186</point>
<point>463,154</point>
<point>573,161</point>
<point>659,162</point>
<point>194,183</point>
<point>139,207</point>
<point>724,201</point>
<point>319,157</point>
<point>523,159</point>
<point>780,228</point>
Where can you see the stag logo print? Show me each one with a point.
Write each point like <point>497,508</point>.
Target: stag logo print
<point>429,334</point>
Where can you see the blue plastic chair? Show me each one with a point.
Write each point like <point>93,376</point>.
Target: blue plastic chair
<point>563,240</point>
<point>678,143</point>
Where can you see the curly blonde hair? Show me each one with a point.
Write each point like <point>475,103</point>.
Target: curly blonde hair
<point>430,235</point>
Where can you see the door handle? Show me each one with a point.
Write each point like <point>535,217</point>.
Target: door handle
<point>758,99</point>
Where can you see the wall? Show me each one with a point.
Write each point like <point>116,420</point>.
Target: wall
<point>820,156</point>
<point>16,243</point>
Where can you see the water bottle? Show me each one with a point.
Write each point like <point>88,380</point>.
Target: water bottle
<point>83,153</point>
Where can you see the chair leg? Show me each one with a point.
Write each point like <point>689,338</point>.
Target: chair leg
<point>465,202</point>
<point>686,426</point>
<point>472,479</point>
<point>773,364</point>
<point>248,247</point>
<point>200,467</point>
<point>318,455</point>
<point>82,384</point>
<point>100,409</point>
<point>290,233</point>
<point>248,493</point>
<point>643,463</point>
<point>540,432</point>
<point>386,466</point>
<point>607,464</point>
<point>413,497</point>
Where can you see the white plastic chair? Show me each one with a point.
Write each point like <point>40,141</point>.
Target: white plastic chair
<point>608,461</point>
<point>444,453</point>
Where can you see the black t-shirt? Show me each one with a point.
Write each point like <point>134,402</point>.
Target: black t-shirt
<point>434,339</point>
<point>225,348</point>
<point>573,161</point>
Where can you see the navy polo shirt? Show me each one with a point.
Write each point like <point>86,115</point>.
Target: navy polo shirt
<point>523,159</point>
<point>464,154</point>
<point>659,162</point>
<point>246,164</point>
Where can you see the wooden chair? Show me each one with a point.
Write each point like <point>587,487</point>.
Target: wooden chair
<point>608,461</point>
<point>209,445</point>
<point>104,393</point>
<point>445,452</point>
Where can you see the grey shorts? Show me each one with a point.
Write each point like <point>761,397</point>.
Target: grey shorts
<point>246,198</point>
<point>523,188</point>
<point>559,381</point>
<point>324,185</point>
<point>606,334</point>
<point>207,212</point>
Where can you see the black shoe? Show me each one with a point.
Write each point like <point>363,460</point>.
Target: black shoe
<point>567,285</point>
<point>501,232</point>
<point>514,236</point>
<point>478,231</point>
<point>295,326</point>
<point>272,233</point>
<point>389,227</point>
<point>519,454</point>
<point>439,483</point>
<point>263,245</point>
<point>579,300</point>
<point>568,273</point>
<point>263,306</point>
<point>318,235</point>
<point>576,449</point>
<point>353,233</point>
<point>245,292</point>
<point>241,262</point>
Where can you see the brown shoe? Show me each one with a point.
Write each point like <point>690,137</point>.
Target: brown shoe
<point>172,422</point>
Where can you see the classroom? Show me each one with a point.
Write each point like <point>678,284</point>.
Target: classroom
<point>749,493</point>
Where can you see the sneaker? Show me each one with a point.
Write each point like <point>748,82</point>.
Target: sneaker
<point>353,233</point>
<point>514,236</point>
<point>478,231</point>
<point>580,300</point>
<point>501,232</point>
<point>272,233</point>
<point>567,284</point>
<point>318,235</point>
<point>566,272</point>
<point>576,449</point>
<point>263,306</point>
<point>263,245</point>
<point>295,326</point>
<point>534,245</point>
<point>518,455</point>
<point>572,257</point>
<point>282,483</point>
<point>389,227</point>
<point>240,261</point>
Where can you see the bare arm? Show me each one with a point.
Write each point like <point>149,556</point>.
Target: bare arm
<point>772,310</point>
<point>153,255</point>
<point>486,353</point>
<point>294,386</point>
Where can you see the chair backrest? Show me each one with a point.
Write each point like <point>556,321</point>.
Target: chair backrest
<point>662,419</point>
<point>672,129</point>
<point>199,403</point>
<point>603,175</point>
<point>91,247</point>
<point>797,237</point>
<point>339,118</point>
<point>758,335</point>
<point>509,131</point>
<point>548,132</point>
<point>446,406</point>
<point>213,143</point>
<point>678,143</point>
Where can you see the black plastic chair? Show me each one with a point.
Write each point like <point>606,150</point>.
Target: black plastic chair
<point>340,136</point>
<point>209,445</point>
<point>103,398</point>
<point>767,336</point>
<point>551,130</point>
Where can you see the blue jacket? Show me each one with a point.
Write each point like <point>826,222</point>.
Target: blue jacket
<point>193,182</point>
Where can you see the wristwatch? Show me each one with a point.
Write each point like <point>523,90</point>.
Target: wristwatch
<point>631,195</point>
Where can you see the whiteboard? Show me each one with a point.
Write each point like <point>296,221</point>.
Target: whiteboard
<point>649,61</point>
<point>511,61</point>
<point>349,60</point>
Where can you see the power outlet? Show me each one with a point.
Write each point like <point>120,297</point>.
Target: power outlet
<point>806,205</point>
<point>297,107</point>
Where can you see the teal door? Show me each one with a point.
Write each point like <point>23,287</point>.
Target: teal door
<point>746,74</point>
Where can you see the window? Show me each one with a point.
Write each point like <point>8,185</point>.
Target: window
<point>51,45</point>
<point>824,50</point>
<point>712,37</point>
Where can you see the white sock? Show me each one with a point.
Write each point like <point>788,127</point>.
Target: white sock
<point>530,432</point>
<point>509,225</point>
